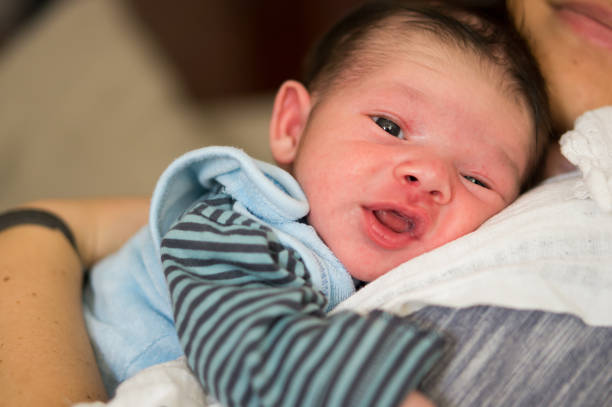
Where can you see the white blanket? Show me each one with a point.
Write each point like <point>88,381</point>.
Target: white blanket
<point>589,146</point>
<point>169,384</point>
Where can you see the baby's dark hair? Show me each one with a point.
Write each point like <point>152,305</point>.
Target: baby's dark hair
<point>339,55</point>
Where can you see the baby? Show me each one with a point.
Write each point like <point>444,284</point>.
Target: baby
<point>417,121</point>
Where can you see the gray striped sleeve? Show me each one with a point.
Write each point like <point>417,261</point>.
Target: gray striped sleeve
<point>505,357</point>
<point>254,330</point>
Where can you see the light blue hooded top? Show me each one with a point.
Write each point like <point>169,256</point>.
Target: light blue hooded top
<point>126,302</point>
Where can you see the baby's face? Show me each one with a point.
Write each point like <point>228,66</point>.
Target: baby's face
<point>410,157</point>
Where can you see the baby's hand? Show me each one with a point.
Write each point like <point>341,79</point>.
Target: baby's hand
<point>416,399</point>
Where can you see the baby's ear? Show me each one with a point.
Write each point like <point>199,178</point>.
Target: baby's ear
<point>289,118</point>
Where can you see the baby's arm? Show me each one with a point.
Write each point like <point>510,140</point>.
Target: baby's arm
<point>254,330</point>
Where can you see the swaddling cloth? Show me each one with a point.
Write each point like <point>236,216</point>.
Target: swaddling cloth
<point>589,146</point>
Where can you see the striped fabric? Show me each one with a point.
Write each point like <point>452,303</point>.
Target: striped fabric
<point>253,328</point>
<point>507,357</point>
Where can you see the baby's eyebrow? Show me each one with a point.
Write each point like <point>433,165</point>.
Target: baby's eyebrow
<point>505,158</point>
<point>501,159</point>
<point>409,91</point>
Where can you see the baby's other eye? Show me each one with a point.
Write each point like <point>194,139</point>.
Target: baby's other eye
<point>389,126</point>
<point>476,181</point>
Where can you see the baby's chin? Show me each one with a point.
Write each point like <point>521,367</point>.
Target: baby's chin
<point>370,273</point>
<point>369,266</point>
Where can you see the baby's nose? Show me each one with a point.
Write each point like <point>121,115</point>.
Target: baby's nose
<point>432,177</point>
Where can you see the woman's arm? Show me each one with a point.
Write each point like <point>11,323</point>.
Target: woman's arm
<point>101,225</point>
<point>45,354</point>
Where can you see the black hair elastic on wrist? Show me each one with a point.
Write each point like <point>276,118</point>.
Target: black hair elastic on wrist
<point>40,217</point>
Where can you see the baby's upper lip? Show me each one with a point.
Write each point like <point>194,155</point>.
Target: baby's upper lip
<point>594,11</point>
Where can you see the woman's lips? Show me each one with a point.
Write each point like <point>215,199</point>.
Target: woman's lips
<point>589,20</point>
<point>395,228</point>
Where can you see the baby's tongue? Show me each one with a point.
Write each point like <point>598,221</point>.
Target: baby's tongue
<point>394,220</point>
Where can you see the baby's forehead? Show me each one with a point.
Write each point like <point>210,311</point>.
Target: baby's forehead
<point>385,46</point>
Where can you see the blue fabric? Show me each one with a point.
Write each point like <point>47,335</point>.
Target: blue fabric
<point>127,307</point>
<point>128,313</point>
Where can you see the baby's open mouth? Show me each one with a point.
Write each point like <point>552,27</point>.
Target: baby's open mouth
<point>396,221</point>
<point>393,227</point>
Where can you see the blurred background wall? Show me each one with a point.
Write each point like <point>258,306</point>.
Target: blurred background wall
<point>220,48</point>
<point>97,97</point>
<point>231,47</point>
<point>217,48</point>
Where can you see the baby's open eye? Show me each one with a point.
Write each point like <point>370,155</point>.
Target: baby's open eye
<point>389,126</point>
<point>476,181</point>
